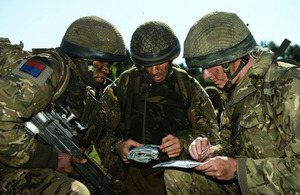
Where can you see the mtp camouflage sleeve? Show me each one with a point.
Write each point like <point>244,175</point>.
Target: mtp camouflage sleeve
<point>203,117</point>
<point>25,91</point>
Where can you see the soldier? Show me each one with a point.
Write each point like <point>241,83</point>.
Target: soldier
<point>260,118</point>
<point>154,102</point>
<point>71,74</point>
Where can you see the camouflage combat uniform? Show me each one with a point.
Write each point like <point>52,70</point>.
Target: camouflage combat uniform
<point>267,140</point>
<point>178,106</point>
<point>26,164</point>
<point>10,53</point>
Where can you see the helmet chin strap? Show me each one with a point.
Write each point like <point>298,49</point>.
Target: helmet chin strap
<point>226,68</point>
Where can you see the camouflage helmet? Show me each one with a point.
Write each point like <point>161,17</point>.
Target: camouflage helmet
<point>94,38</point>
<point>217,38</point>
<point>153,43</point>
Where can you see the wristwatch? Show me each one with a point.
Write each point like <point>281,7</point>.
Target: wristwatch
<point>235,175</point>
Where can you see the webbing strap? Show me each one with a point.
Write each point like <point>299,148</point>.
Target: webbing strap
<point>132,84</point>
<point>281,48</point>
<point>92,106</point>
<point>243,63</point>
<point>144,117</point>
<point>234,120</point>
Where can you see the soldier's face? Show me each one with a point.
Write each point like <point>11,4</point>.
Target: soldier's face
<point>158,73</point>
<point>101,70</point>
<point>216,75</point>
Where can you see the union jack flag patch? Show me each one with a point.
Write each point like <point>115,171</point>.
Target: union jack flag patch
<point>32,67</point>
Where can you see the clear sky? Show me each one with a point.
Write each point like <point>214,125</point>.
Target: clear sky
<point>42,24</point>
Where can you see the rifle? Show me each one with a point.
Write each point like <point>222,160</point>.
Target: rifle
<point>57,128</point>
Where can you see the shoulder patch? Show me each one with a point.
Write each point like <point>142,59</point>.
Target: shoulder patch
<point>33,70</point>
<point>32,67</point>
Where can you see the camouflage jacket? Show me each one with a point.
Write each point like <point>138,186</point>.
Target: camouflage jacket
<point>267,140</point>
<point>9,54</point>
<point>179,106</point>
<point>25,93</point>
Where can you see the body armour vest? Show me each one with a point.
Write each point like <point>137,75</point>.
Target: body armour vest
<point>152,111</point>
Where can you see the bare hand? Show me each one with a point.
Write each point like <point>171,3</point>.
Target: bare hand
<point>122,148</point>
<point>172,146</point>
<point>64,165</point>
<point>200,149</point>
<point>220,167</point>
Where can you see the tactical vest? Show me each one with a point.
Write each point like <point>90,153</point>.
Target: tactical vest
<point>139,99</point>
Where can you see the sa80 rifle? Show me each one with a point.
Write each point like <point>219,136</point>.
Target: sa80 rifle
<point>57,128</point>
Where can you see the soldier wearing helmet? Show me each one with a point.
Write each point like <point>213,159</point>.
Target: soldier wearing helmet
<point>260,118</point>
<point>71,74</point>
<point>154,102</point>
